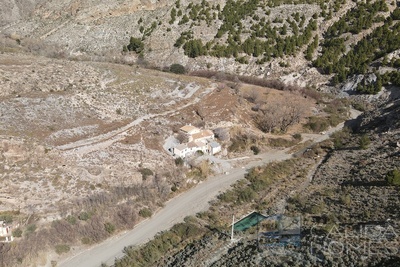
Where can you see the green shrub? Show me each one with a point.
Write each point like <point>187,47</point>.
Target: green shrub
<point>345,199</point>
<point>228,196</point>
<point>8,216</point>
<point>317,124</point>
<point>17,232</point>
<point>86,240</point>
<point>239,143</point>
<point>194,48</point>
<point>179,161</point>
<point>297,136</point>
<point>393,177</point>
<point>71,219</point>
<point>246,195</point>
<point>199,153</point>
<point>84,216</point>
<point>109,227</point>
<point>340,137</point>
<point>60,249</point>
<point>317,208</point>
<point>145,173</point>
<point>364,141</point>
<point>282,142</point>
<point>136,45</point>
<point>177,69</point>
<point>30,228</point>
<point>145,213</point>
<point>334,120</point>
<point>255,150</point>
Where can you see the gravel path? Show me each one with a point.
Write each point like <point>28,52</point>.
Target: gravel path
<point>105,140</point>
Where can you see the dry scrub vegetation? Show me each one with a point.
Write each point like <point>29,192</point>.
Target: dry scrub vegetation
<point>344,189</point>
<point>81,143</point>
<point>69,155</point>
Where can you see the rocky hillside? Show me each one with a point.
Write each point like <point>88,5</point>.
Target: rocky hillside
<point>349,208</point>
<point>276,39</point>
<point>81,138</point>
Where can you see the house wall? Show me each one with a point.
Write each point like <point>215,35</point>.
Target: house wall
<point>180,153</point>
<point>215,150</point>
<point>5,234</point>
<point>190,150</point>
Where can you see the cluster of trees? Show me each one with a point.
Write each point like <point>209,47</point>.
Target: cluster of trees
<point>311,48</point>
<point>392,77</point>
<point>370,88</point>
<point>135,44</point>
<point>388,78</point>
<point>380,42</point>
<point>274,3</point>
<point>234,13</point>
<point>359,18</point>
<point>266,40</point>
<point>394,62</point>
<point>194,48</point>
<point>201,12</point>
<point>186,35</point>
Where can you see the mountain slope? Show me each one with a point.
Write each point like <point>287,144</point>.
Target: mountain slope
<point>349,212</point>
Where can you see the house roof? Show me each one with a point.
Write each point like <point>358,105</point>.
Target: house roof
<point>188,128</point>
<point>203,134</point>
<point>195,144</point>
<point>181,147</point>
<point>214,144</point>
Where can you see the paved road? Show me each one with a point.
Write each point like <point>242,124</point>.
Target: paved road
<point>175,210</point>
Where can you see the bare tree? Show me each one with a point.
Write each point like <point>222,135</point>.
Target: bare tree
<point>267,118</point>
<point>252,96</point>
<point>279,115</point>
<point>293,111</point>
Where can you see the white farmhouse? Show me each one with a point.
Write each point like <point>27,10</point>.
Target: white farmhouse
<point>184,150</point>
<point>198,140</point>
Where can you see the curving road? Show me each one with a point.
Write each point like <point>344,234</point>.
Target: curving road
<point>175,210</point>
